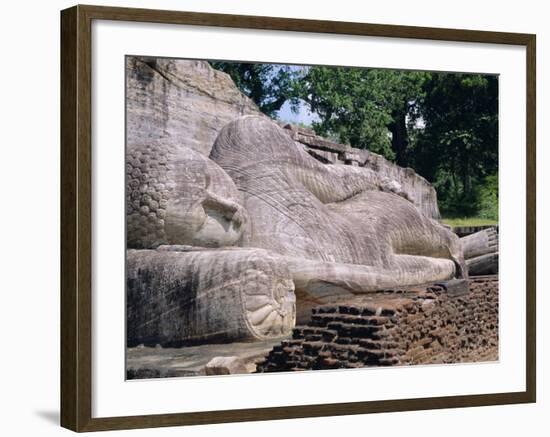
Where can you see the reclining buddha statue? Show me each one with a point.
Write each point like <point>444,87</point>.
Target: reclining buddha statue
<point>239,236</point>
<point>331,223</point>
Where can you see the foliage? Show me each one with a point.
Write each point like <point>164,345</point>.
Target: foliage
<point>488,198</point>
<point>268,85</point>
<point>367,108</point>
<point>458,146</point>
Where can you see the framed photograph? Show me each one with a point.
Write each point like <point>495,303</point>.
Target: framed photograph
<point>269,218</point>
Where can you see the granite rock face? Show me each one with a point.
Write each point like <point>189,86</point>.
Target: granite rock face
<point>237,221</point>
<point>391,178</point>
<point>186,103</point>
<point>161,362</point>
<point>180,102</point>
<point>225,366</point>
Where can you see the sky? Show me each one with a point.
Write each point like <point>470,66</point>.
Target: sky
<point>303,116</point>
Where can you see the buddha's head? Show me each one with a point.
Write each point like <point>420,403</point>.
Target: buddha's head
<point>177,196</point>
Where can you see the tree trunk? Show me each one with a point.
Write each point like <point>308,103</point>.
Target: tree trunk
<point>399,140</point>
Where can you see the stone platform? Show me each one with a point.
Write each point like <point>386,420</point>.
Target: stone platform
<point>433,324</point>
<point>157,362</point>
<point>423,325</point>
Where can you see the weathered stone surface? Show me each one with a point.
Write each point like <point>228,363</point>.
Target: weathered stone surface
<point>480,243</point>
<point>454,287</point>
<point>335,226</point>
<point>180,102</point>
<point>225,366</point>
<point>418,189</point>
<point>161,362</point>
<point>464,231</point>
<point>402,181</point>
<point>176,298</point>
<point>481,252</point>
<point>483,265</point>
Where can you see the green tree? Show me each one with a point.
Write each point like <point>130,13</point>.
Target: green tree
<point>268,85</point>
<point>368,108</point>
<point>488,198</point>
<point>458,147</point>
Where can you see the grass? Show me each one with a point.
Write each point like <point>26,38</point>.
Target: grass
<point>468,221</point>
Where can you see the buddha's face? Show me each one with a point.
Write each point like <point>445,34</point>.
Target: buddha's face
<point>178,196</point>
<point>204,209</point>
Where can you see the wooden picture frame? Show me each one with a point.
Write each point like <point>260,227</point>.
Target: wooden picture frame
<point>76,217</point>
